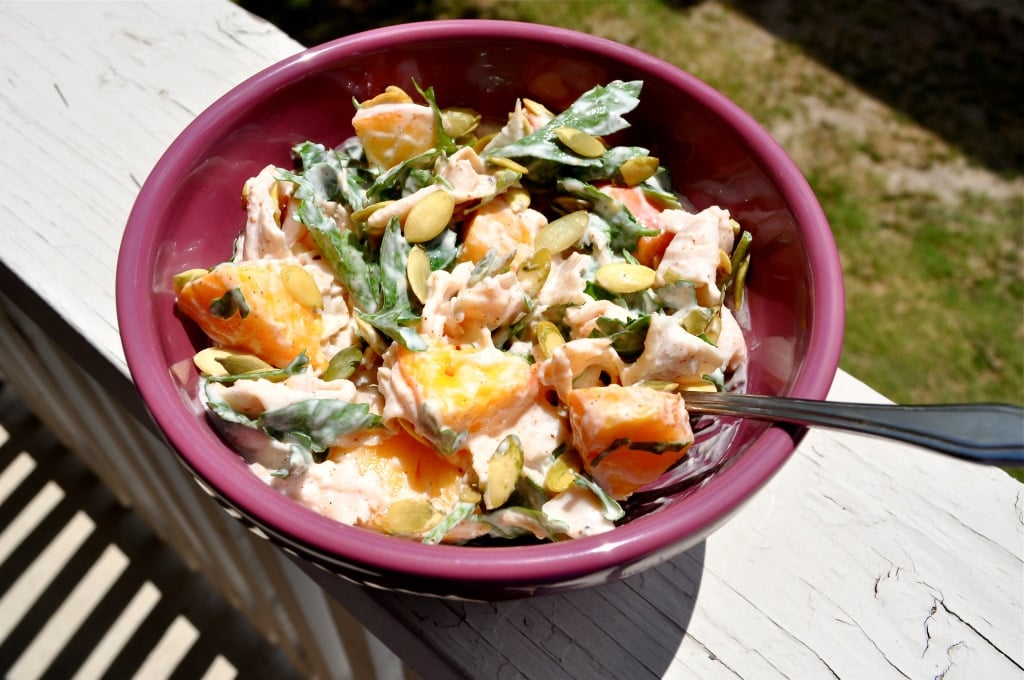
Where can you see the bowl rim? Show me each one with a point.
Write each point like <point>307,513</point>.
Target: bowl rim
<point>633,542</point>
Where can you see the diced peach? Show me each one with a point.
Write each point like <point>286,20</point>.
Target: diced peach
<point>411,471</point>
<point>496,225</point>
<point>275,327</point>
<point>628,436</point>
<point>650,249</point>
<point>467,388</point>
<point>393,132</point>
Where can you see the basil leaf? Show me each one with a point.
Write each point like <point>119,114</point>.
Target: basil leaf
<point>514,522</point>
<point>598,111</point>
<point>624,229</point>
<point>221,408</point>
<point>318,423</point>
<point>230,302</point>
<point>395,317</point>
<point>444,143</point>
<point>627,337</point>
<point>343,250</point>
<point>334,174</point>
<point>612,511</point>
<point>297,365</point>
<point>462,511</point>
<point>346,254</point>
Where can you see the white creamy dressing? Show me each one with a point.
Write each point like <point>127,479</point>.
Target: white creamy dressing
<point>458,311</point>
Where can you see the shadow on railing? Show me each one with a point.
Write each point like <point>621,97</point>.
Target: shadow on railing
<point>88,590</point>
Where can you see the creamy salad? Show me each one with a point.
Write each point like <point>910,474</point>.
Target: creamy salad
<point>447,330</point>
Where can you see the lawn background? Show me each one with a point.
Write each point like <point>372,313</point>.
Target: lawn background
<point>905,118</point>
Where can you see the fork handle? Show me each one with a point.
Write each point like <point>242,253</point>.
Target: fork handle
<point>983,433</point>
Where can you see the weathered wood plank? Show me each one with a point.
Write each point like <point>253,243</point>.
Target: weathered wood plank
<point>862,558</point>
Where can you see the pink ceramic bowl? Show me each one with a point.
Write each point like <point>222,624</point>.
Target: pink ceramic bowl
<point>188,213</point>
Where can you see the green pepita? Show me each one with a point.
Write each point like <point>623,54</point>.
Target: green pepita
<point>536,108</point>
<point>696,321</point>
<point>343,364</point>
<point>301,285</point>
<point>549,338</point>
<point>480,144</point>
<point>459,122</point>
<point>240,364</point>
<point>188,276</point>
<point>661,385</point>
<point>570,204</point>
<point>583,143</point>
<point>508,164</point>
<point>208,360</point>
<point>562,473</point>
<point>739,281</point>
<point>503,470</point>
<point>418,271</point>
<point>636,170</point>
<point>625,277</point>
<point>534,272</point>
<point>408,516</point>
<point>562,233</point>
<point>429,217</point>
<point>518,199</point>
<point>360,216</point>
<point>370,335</point>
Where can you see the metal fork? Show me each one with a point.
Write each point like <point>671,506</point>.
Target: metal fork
<point>984,433</point>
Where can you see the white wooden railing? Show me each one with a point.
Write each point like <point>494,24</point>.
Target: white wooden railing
<point>318,635</point>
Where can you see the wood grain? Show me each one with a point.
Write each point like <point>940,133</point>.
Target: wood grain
<point>861,559</point>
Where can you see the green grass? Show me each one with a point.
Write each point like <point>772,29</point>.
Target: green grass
<point>932,263</point>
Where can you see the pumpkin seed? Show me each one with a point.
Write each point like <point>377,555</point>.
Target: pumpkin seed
<point>240,364</point>
<point>562,472</point>
<point>370,336</point>
<point>503,470</point>
<point>714,329</point>
<point>360,216</point>
<point>508,164</point>
<point>625,277</point>
<point>458,122</point>
<point>408,516</point>
<point>518,199</point>
<point>696,320</point>
<point>699,387</point>
<point>392,94</point>
<point>208,360</point>
<point>188,276</point>
<point>468,495</point>
<point>548,338</point>
<point>480,144</point>
<point>636,170</point>
<point>343,364</point>
<point>583,143</point>
<point>429,217</point>
<point>301,285</point>
<point>661,385</point>
<point>562,233</point>
<point>417,270</point>
<point>568,204</point>
<point>739,282</point>
<point>536,108</point>
<point>724,262</point>
<point>534,272</point>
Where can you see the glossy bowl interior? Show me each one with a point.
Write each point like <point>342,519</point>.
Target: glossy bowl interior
<point>188,212</point>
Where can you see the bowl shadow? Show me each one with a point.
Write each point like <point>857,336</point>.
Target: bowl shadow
<point>631,628</point>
